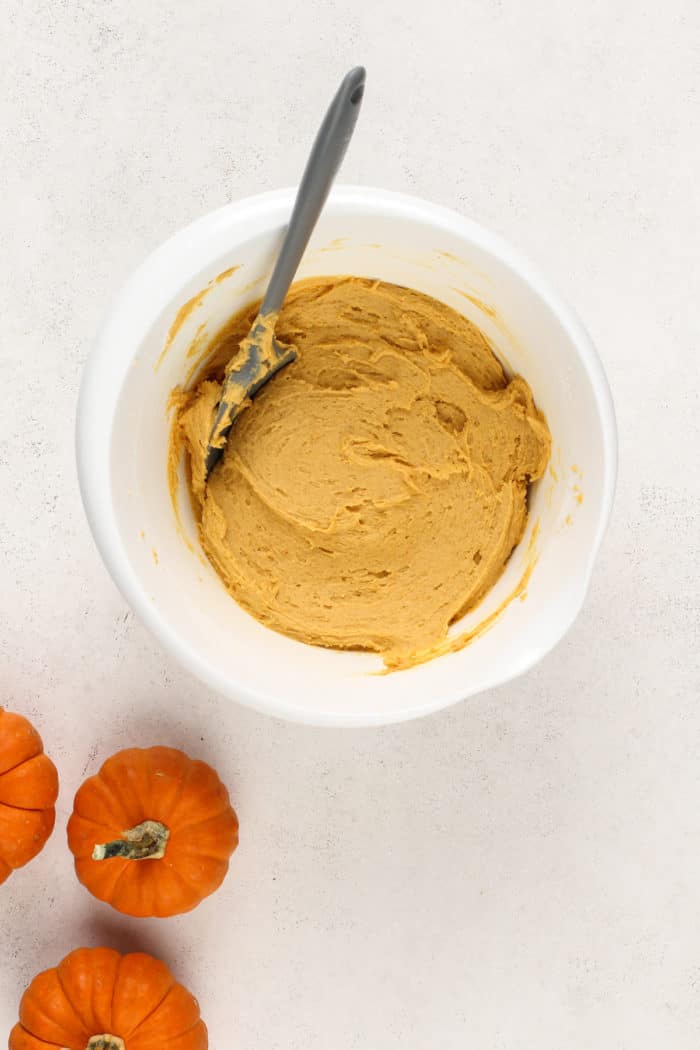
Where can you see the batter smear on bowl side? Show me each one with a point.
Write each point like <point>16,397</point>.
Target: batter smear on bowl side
<point>374,490</point>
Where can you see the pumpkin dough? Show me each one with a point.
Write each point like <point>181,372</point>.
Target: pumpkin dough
<point>375,488</point>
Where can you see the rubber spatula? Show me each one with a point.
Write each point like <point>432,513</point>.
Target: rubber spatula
<point>260,355</point>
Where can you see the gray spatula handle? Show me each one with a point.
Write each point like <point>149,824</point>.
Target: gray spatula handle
<point>323,163</point>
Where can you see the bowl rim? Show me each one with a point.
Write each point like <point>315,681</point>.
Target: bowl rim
<point>107,366</point>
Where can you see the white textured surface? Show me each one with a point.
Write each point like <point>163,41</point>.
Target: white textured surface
<point>522,871</point>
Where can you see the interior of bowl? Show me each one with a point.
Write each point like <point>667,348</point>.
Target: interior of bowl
<point>185,293</point>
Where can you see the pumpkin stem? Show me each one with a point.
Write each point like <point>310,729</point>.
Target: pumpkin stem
<point>106,1042</point>
<point>147,841</point>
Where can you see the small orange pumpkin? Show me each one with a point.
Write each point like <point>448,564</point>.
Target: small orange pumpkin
<point>28,791</point>
<point>97,999</point>
<point>152,832</point>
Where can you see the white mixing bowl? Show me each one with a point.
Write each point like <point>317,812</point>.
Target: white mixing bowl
<point>122,442</point>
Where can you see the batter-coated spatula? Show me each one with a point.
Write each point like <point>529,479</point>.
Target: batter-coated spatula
<point>260,355</point>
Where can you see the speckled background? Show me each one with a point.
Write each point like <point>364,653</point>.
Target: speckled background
<point>522,871</point>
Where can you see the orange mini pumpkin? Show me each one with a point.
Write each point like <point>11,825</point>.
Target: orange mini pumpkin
<point>97,999</point>
<point>152,832</point>
<point>28,791</point>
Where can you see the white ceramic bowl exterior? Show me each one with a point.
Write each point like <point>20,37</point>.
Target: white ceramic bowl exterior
<point>123,428</point>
